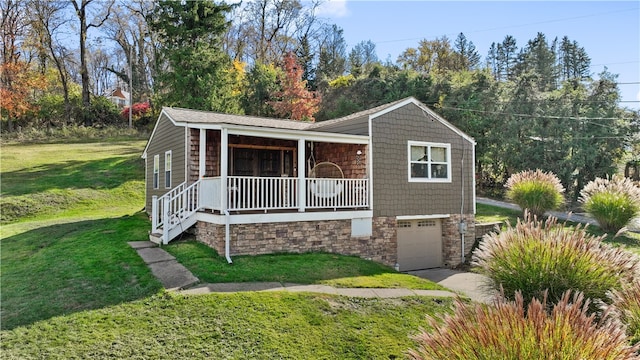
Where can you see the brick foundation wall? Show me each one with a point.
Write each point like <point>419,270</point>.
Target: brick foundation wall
<point>333,236</point>
<point>451,241</point>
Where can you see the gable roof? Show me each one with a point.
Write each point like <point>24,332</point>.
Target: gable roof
<point>354,124</point>
<point>188,116</point>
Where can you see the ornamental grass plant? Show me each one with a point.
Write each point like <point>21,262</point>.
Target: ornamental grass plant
<point>613,202</point>
<point>537,258</point>
<point>513,330</point>
<point>625,306</point>
<point>537,191</point>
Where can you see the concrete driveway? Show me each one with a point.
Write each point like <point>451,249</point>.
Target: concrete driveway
<point>468,284</point>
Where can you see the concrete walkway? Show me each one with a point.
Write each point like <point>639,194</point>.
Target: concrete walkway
<point>472,285</point>
<point>164,266</point>
<point>176,277</point>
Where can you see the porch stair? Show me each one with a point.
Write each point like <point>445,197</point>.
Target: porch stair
<point>174,213</point>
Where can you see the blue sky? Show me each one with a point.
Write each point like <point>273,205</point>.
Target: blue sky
<point>609,31</point>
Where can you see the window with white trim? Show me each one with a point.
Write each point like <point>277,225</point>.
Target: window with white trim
<point>429,162</point>
<point>167,169</point>
<point>156,171</point>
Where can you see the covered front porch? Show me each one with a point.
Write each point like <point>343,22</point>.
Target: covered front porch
<point>239,172</point>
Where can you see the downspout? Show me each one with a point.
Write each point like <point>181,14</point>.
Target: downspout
<point>462,226</point>
<point>227,237</point>
<point>224,192</point>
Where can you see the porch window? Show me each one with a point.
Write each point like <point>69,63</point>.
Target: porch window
<point>429,162</point>
<point>256,161</point>
<point>167,169</point>
<point>156,171</point>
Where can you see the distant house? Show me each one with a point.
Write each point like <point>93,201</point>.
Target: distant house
<point>394,184</point>
<point>118,96</point>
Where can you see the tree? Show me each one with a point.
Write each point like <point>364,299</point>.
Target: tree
<point>362,58</point>
<point>128,28</point>
<point>262,81</point>
<point>47,20</point>
<point>191,68</point>
<point>573,61</point>
<point>539,57</point>
<point>431,57</point>
<point>84,9</point>
<point>468,57</point>
<point>333,55</point>
<point>506,58</point>
<point>269,29</point>
<point>13,69</point>
<point>294,101</point>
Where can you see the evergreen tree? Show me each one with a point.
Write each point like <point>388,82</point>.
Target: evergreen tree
<point>192,70</point>
<point>262,81</point>
<point>573,61</point>
<point>506,58</point>
<point>539,58</point>
<point>468,57</point>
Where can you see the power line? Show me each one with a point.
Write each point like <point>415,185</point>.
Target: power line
<point>583,118</point>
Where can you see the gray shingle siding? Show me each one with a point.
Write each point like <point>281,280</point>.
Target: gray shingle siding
<point>393,194</point>
<point>167,137</point>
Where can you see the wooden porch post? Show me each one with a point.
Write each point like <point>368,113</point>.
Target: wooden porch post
<point>202,164</point>
<point>224,168</point>
<point>302,176</point>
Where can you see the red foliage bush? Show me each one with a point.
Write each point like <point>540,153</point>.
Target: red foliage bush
<point>138,110</point>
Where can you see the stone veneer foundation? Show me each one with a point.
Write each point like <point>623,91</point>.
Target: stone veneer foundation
<point>333,236</point>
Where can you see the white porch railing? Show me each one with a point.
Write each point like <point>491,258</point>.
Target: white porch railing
<point>261,193</point>
<point>337,193</point>
<point>247,193</point>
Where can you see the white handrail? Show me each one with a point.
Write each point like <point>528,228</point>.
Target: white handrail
<point>169,210</point>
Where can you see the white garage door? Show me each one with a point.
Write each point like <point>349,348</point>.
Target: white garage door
<point>419,244</point>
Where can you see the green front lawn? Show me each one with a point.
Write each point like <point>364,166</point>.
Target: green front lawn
<point>276,325</point>
<point>310,268</point>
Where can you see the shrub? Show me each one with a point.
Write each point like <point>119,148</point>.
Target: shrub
<point>612,202</point>
<point>626,307</point>
<point>537,191</point>
<point>511,330</point>
<point>534,257</point>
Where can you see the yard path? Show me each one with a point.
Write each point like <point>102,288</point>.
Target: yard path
<point>176,277</point>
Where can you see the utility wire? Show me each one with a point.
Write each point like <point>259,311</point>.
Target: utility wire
<point>584,118</point>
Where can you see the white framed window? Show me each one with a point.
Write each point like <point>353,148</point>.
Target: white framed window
<point>167,169</point>
<point>156,171</point>
<point>429,162</point>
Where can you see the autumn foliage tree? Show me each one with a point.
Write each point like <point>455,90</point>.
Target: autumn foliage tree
<point>294,101</point>
<point>18,83</point>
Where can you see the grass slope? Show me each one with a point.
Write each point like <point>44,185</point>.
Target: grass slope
<point>230,326</point>
<point>70,180</point>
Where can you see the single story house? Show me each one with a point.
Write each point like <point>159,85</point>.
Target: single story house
<point>394,184</point>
